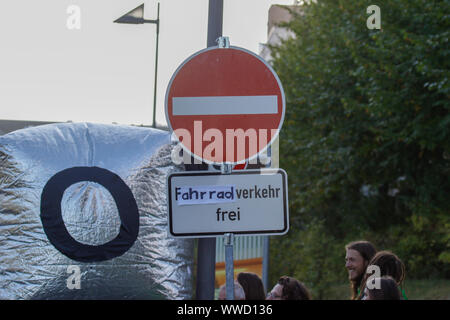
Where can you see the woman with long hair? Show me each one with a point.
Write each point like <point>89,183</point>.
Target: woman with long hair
<point>389,265</point>
<point>387,290</point>
<point>252,285</point>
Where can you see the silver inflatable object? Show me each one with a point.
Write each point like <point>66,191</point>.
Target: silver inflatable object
<point>83,215</point>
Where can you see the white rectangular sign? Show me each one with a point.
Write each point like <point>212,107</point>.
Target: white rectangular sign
<point>206,204</point>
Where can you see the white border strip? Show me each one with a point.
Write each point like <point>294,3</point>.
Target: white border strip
<point>196,106</point>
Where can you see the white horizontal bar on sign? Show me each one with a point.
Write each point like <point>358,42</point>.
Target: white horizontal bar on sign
<point>195,106</point>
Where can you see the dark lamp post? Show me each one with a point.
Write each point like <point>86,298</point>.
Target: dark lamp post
<point>136,16</point>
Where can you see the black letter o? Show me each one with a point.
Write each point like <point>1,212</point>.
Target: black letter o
<point>55,228</point>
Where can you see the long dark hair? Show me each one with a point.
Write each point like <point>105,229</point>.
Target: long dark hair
<point>293,289</point>
<point>367,250</point>
<point>253,286</point>
<point>390,265</point>
<point>388,290</point>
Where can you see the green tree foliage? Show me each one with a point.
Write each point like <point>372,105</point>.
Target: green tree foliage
<point>366,137</point>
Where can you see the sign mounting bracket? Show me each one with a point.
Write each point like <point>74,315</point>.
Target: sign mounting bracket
<point>223,42</point>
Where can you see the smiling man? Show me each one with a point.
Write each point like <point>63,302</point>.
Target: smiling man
<point>357,257</point>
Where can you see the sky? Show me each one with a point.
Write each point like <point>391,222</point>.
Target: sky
<point>54,67</point>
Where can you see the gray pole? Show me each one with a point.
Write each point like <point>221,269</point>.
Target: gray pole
<point>265,266</point>
<point>229,265</point>
<point>206,262</point>
<point>156,70</point>
<point>215,18</point>
<point>266,241</point>
<point>206,268</point>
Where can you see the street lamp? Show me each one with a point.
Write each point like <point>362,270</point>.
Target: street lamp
<point>136,16</point>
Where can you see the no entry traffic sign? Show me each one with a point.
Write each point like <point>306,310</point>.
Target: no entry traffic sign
<point>205,204</point>
<point>225,105</point>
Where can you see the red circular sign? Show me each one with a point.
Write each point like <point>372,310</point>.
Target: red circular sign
<point>225,105</point>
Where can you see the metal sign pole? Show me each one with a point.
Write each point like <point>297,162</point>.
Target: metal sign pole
<point>229,239</point>
<point>266,239</point>
<point>207,246</point>
<point>156,70</point>
<point>265,264</point>
<point>229,265</point>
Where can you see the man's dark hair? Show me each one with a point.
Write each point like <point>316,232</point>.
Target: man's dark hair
<point>388,290</point>
<point>390,265</point>
<point>367,250</point>
<point>252,285</point>
<point>293,289</point>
